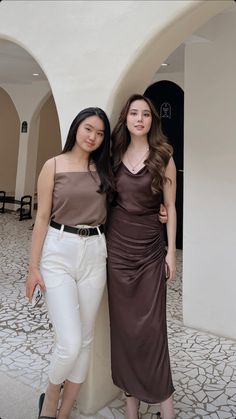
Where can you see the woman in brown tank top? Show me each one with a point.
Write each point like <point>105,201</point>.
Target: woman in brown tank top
<point>68,253</point>
<point>138,265</point>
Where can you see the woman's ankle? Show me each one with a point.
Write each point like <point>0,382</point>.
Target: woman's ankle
<point>167,409</point>
<point>50,404</point>
<point>131,408</point>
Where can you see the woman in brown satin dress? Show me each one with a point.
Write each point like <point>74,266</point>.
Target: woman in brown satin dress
<point>139,266</point>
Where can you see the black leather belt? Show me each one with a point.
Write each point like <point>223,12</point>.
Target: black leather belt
<point>81,231</point>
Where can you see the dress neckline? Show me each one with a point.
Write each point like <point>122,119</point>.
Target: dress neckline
<point>132,173</point>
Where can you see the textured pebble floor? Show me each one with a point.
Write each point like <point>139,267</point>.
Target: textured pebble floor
<point>203,366</point>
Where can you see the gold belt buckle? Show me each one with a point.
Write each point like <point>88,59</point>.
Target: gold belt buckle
<point>83,232</point>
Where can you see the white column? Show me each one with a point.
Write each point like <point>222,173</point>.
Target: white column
<point>209,285</point>
<point>32,152</point>
<point>28,100</point>
<point>21,165</point>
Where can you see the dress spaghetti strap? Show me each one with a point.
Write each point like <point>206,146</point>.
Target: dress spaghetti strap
<point>55,167</point>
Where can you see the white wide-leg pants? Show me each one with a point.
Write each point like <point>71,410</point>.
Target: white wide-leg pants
<point>74,271</point>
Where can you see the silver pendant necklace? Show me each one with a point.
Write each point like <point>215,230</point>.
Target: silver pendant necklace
<point>139,161</point>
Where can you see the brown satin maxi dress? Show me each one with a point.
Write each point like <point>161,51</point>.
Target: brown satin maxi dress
<point>137,290</point>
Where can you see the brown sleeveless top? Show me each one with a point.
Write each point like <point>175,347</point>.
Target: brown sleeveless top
<point>76,200</point>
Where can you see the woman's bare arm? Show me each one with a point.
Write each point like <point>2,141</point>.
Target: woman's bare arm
<point>169,202</point>
<point>45,190</point>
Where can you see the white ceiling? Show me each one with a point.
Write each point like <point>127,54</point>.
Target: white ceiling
<point>175,61</point>
<point>17,66</point>
<point>204,34</point>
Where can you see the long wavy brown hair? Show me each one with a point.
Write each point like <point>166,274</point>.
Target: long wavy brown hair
<point>159,149</point>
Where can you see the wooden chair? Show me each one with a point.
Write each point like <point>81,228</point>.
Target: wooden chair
<point>2,201</point>
<point>25,207</point>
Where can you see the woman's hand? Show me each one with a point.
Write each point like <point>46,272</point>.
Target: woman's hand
<point>170,266</point>
<point>34,277</point>
<point>162,215</point>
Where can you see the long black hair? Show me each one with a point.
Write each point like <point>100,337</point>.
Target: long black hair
<point>100,156</point>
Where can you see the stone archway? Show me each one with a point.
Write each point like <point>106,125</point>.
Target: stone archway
<point>44,139</point>
<point>25,82</point>
<point>148,58</point>
<point>198,310</point>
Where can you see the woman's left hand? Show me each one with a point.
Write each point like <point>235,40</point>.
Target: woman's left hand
<point>162,215</point>
<point>170,266</point>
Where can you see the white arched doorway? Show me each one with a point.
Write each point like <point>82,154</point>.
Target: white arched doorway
<point>201,304</point>
<point>26,84</point>
<point>153,51</point>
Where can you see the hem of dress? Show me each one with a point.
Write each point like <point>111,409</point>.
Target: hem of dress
<point>141,399</point>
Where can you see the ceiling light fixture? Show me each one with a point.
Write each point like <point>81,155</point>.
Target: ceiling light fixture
<point>165,64</point>
<point>35,74</point>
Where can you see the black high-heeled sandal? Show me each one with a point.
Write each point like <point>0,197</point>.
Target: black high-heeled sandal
<point>41,400</point>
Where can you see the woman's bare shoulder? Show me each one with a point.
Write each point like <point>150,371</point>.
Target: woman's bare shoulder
<point>53,161</point>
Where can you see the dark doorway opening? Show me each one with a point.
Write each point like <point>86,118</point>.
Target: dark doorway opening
<point>168,99</point>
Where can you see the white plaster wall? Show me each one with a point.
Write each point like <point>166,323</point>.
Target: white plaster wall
<point>49,144</point>
<point>210,179</point>
<point>87,49</point>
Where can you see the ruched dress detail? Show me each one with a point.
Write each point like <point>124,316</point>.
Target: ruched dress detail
<point>137,290</point>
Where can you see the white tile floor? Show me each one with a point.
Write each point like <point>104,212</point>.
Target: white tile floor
<point>204,366</point>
